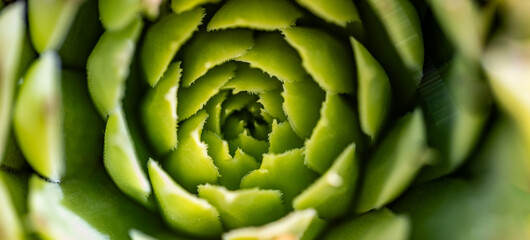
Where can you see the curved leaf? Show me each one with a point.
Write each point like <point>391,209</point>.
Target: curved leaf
<point>121,161</point>
<point>246,207</point>
<point>190,164</point>
<point>164,38</point>
<point>159,111</point>
<point>38,117</point>
<point>339,12</point>
<point>255,14</point>
<point>332,194</point>
<point>182,210</point>
<point>108,66</point>
<point>209,49</point>
<point>331,66</point>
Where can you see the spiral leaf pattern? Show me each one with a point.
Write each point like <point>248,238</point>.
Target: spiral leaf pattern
<point>258,119</point>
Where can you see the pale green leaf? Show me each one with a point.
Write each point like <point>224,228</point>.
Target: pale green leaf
<point>90,204</point>
<point>38,117</point>
<point>303,225</point>
<point>182,210</point>
<point>50,219</point>
<point>116,14</point>
<point>336,129</point>
<point>209,49</point>
<point>10,225</point>
<point>49,22</point>
<point>213,108</point>
<point>190,164</point>
<point>285,172</point>
<point>374,93</point>
<point>11,44</point>
<point>377,225</point>
<point>331,65</point>
<point>302,119</point>
<point>272,104</point>
<point>254,147</point>
<point>340,12</point>
<point>193,98</point>
<point>164,38</point>
<point>108,66</point>
<point>266,15</point>
<point>180,6</point>
<point>121,161</point>
<point>232,169</point>
<point>394,163</point>
<point>332,194</point>
<point>282,138</point>
<point>245,207</point>
<point>159,111</point>
<point>272,54</point>
<point>251,80</point>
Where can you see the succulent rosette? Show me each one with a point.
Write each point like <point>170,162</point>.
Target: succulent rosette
<point>263,119</point>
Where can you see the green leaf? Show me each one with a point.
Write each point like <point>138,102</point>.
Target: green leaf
<point>190,164</point>
<point>331,66</point>
<point>91,204</point>
<point>456,113</point>
<point>83,145</point>
<point>16,185</point>
<point>303,225</point>
<point>254,147</point>
<point>11,44</point>
<point>282,138</point>
<point>400,20</point>
<point>232,169</point>
<point>285,172</point>
<point>10,225</point>
<point>182,210</point>
<point>376,225</point>
<point>255,14</point>
<point>336,129</point>
<point>246,207</point>
<point>505,62</point>
<point>38,117</point>
<point>117,14</point>
<point>236,103</point>
<point>213,108</point>
<point>272,54</point>
<point>251,80</point>
<point>233,127</point>
<point>53,221</point>
<point>121,161</point>
<point>159,111</point>
<point>108,66</point>
<point>49,22</point>
<point>374,93</point>
<point>332,194</point>
<point>82,36</point>
<point>272,104</point>
<point>394,163</point>
<point>193,98</point>
<point>302,119</point>
<point>164,38</point>
<point>340,12</point>
<point>463,27</point>
<point>209,49</point>
<point>180,6</point>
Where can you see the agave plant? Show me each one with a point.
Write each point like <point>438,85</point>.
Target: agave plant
<point>264,119</point>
